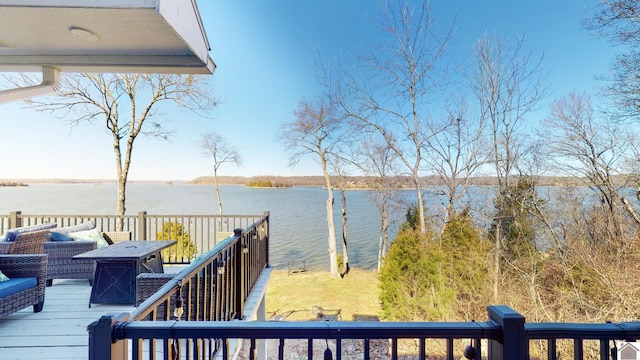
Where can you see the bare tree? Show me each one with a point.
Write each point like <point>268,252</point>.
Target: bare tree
<point>596,150</point>
<point>215,146</point>
<point>127,105</point>
<point>618,20</point>
<point>405,75</point>
<point>339,169</point>
<point>317,130</point>
<point>508,86</point>
<point>458,152</point>
<point>380,163</point>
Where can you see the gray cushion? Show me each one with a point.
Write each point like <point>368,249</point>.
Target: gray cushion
<point>87,225</point>
<point>12,233</point>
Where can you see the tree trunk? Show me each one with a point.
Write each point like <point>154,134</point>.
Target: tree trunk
<point>122,190</point>
<point>345,254</point>
<point>215,184</point>
<point>384,234</point>
<point>333,259</point>
<point>122,173</point>
<point>496,265</point>
<point>423,225</point>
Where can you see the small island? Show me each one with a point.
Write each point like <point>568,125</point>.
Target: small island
<point>12,183</point>
<point>266,184</point>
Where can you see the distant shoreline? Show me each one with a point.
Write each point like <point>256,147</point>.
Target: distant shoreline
<point>354,182</point>
<point>12,184</point>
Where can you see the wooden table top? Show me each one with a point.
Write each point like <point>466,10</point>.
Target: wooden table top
<point>125,250</point>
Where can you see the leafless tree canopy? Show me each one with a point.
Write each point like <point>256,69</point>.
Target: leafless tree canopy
<point>404,76</point>
<point>128,105</point>
<point>317,129</point>
<point>619,21</point>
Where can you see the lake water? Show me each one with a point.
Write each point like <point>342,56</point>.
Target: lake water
<point>298,216</point>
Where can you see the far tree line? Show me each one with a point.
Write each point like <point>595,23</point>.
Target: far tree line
<point>369,182</point>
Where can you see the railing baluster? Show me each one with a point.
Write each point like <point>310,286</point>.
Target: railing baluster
<point>577,349</point>
<point>366,349</point>
<point>394,348</point>
<point>252,350</point>
<point>449,349</point>
<point>604,349</point>
<point>421,351</point>
<point>281,349</point>
<point>309,348</point>
<point>551,349</point>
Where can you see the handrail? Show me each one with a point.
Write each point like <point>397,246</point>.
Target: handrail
<point>503,336</point>
<point>180,280</point>
<point>214,286</point>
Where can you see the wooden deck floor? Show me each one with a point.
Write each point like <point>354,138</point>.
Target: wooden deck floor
<point>60,330</point>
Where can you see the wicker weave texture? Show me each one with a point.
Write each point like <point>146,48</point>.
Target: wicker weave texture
<point>20,266</point>
<point>62,266</point>
<point>113,237</point>
<point>147,284</point>
<point>29,243</point>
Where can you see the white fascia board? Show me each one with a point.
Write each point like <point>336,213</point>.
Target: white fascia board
<point>184,18</point>
<point>105,63</point>
<point>82,3</point>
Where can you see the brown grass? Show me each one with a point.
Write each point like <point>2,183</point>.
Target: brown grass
<point>300,296</point>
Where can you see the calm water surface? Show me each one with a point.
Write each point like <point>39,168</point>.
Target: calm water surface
<point>298,216</point>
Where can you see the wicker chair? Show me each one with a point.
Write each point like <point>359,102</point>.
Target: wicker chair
<point>60,265</point>
<point>113,237</point>
<point>20,266</point>
<point>26,243</point>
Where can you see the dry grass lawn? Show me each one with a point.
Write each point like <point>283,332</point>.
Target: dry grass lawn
<point>315,295</point>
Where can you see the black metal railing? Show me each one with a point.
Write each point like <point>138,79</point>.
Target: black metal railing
<point>192,317</point>
<point>215,286</point>
<point>505,336</point>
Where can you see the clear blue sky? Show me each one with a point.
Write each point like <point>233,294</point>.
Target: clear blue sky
<point>265,52</point>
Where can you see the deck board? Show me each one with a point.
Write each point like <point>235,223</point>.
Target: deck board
<point>60,330</point>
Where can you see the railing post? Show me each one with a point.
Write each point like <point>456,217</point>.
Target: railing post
<point>142,226</point>
<point>240,275</point>
<point>15,220</point>
<point>266,215</point>
<point>101,346</point>
<point>513,344</point>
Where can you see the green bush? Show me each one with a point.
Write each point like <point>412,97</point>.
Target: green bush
<point>411,219</point>
<point>466,262</point>
<point>413,286</point>
<point>183,250</point>
<point>515,208</point>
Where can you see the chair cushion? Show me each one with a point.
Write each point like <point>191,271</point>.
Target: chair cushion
<point>16,285</point>
<point>3,277</point>
<point>87,225</point>
<point>90,235</point>
<point>58,236</point>
<point>12,233</point>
